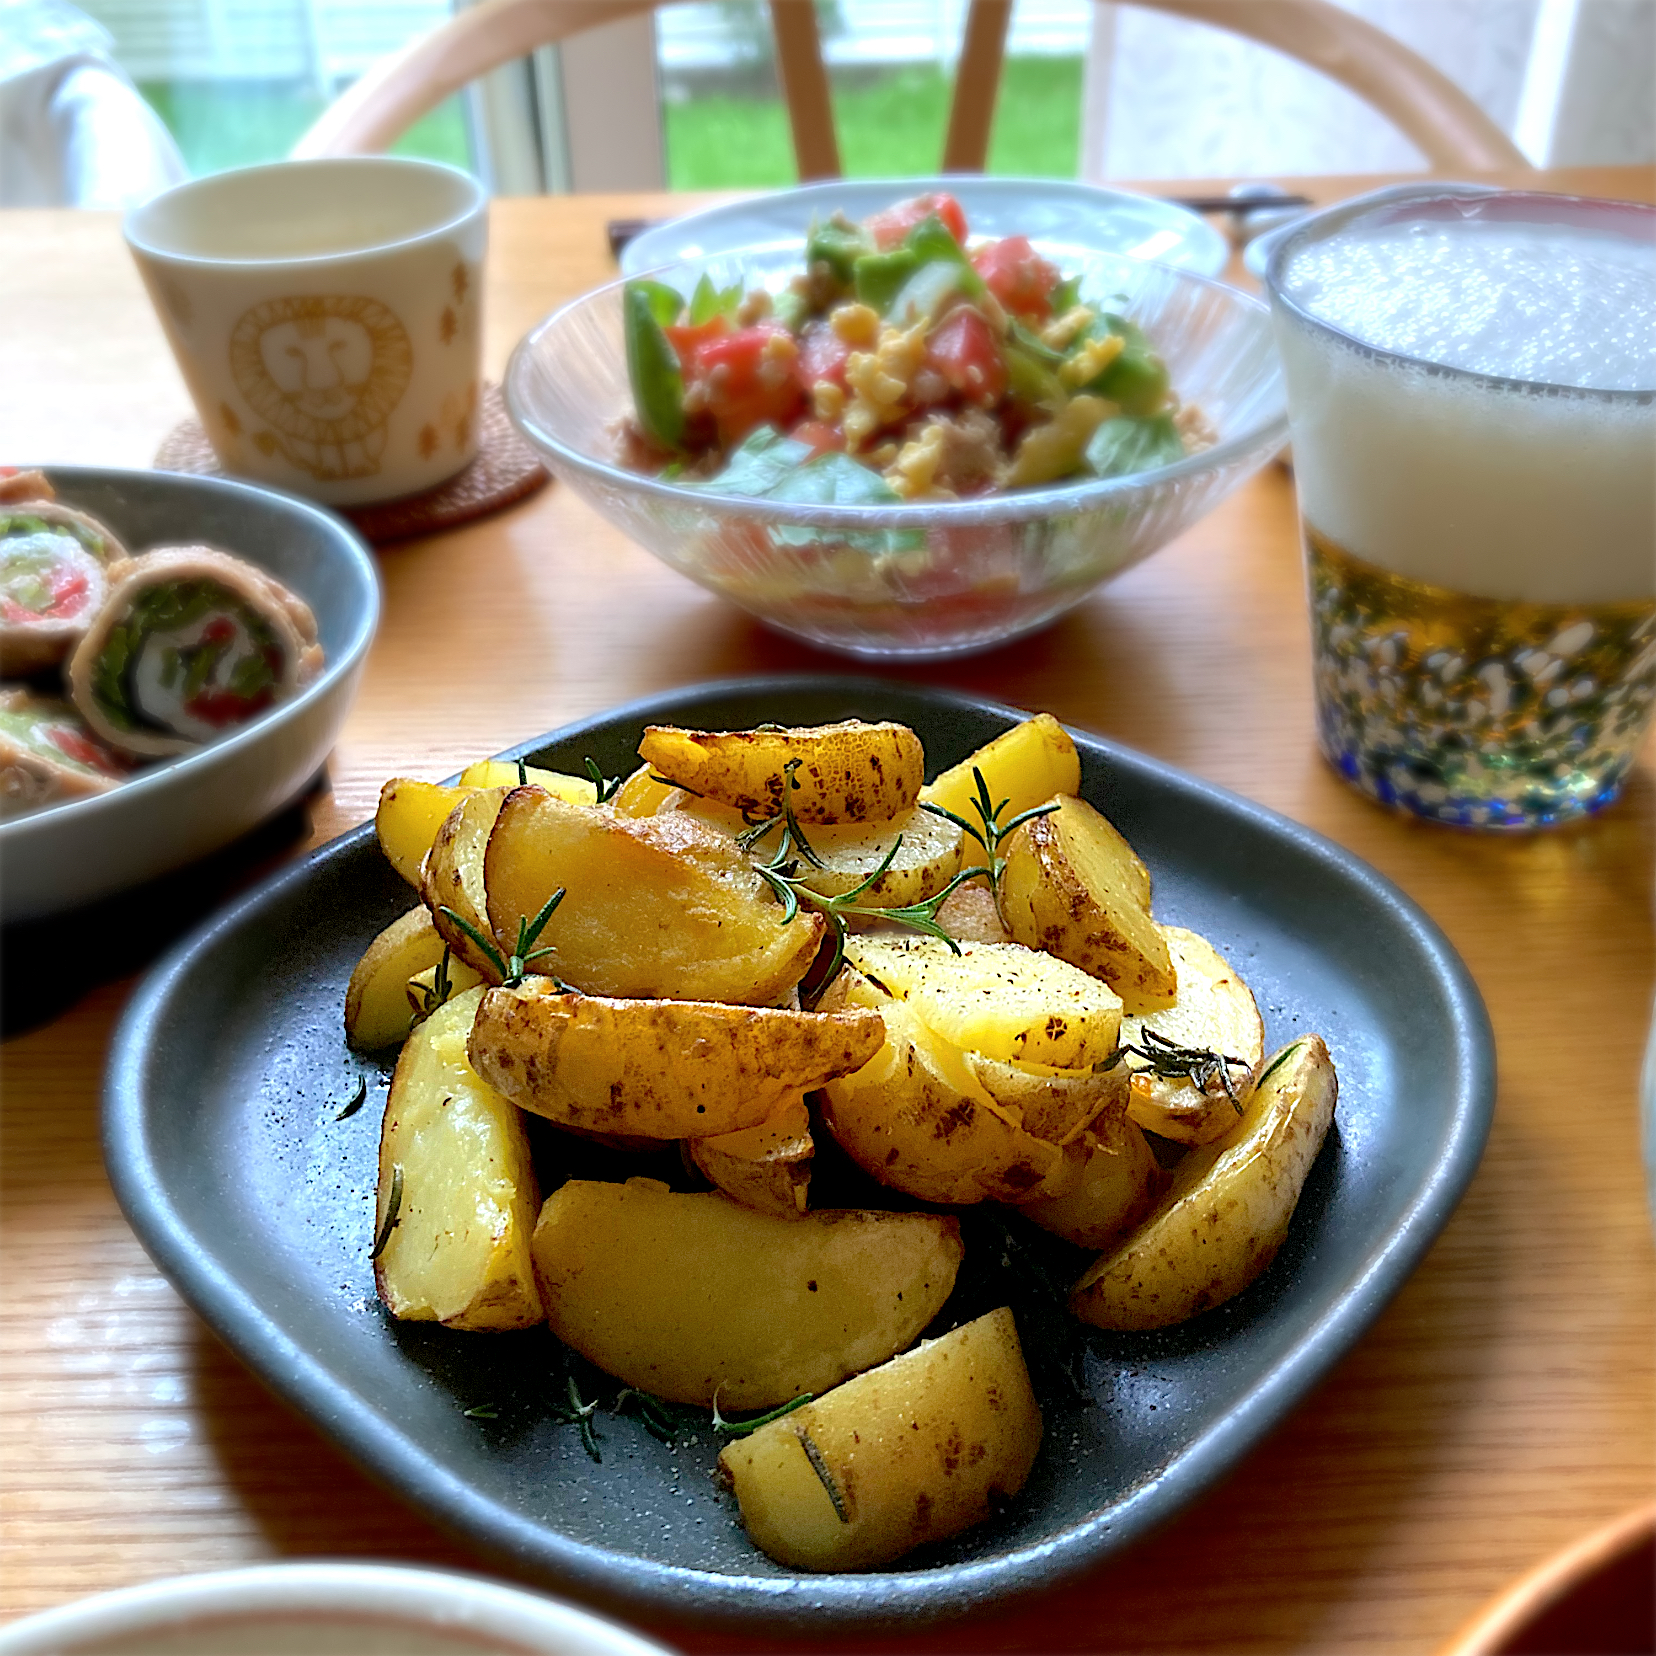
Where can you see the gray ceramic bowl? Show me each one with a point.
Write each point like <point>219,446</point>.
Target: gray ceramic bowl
<point>181,809</point>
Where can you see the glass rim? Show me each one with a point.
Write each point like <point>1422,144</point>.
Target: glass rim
<point>1014,506</point>
<point>1341,216</point>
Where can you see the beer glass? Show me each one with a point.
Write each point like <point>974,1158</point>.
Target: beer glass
<point>1472,399</point>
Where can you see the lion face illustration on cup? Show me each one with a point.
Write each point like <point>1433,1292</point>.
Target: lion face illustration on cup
<point>325,373</point>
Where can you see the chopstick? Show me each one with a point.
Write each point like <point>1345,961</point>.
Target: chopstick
<point>623,230</point>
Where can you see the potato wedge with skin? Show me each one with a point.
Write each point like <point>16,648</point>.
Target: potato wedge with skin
<point>916,1118</point>
<point>766,1168</point>
<point>1117,1182</point>
<point>847,853</point>
<point>503,773</point>
<point>999,999</point>
<point>1026,766</point>
<point>848,772</point>
<point>455,1153</point>
<point>453,877</point>
<point>377,1013</point>
<point>661,1069</point>
<point>1227,1212</point>
<point>1075,888</point>
<point>692,1296</point>
<point>663,906</point>
<point>918,1449</point>
<point>409,815</point>
<point>1215,1011</point>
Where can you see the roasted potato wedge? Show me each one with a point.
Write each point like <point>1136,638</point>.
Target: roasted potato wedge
<point>663,906</point>
<point>850,772</point>
<point>1227,1212</point>
<point>1214,1010</point>
<point>643,794</point>
<point>377,1013</point>
<point>1117,1181</point>
<point>409,815</point>
<point>1075,888</point>
<point>929,854</point>
<point>918,1449</point>
<point>766,1168</point>
<point>660,1069</point>
<point>999,999</point>
<point>1025,766</point>
<point>455,1162</point>
<point>501,773</point>
<point>920,1118</point>
<point>969,915</point>
<point>693,1296</point>
<point>454,878</point>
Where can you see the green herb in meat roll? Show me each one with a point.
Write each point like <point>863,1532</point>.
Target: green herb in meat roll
<point>190,645</point>
<point>53,578</point>
<point>48,754</point>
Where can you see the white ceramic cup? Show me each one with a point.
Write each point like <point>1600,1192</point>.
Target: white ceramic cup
<point>327,318</point>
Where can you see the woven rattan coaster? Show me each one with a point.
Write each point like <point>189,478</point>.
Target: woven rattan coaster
<point>506,470</point>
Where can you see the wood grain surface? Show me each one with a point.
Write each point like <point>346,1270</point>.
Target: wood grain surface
<point>1504,1403</point>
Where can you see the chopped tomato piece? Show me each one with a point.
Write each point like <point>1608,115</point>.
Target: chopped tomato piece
<point>818,436</point>
<point>963,350</point>
<point>822,356</point>
<point>82,749</point>
<point>745,379</point>
<point>1017,276</point>
<point>888,228</point>
<point>224,707</point>
<point>686,339</point>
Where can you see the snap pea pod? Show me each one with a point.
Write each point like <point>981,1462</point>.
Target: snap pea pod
<point>839,246</point>
<point>880,277</point>
<point>708,301</point>
<point>652,363</point>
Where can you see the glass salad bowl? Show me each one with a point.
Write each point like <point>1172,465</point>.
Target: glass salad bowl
<point>924,578</point>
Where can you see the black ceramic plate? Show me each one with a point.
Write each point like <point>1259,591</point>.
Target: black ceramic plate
<point>230,1067</point>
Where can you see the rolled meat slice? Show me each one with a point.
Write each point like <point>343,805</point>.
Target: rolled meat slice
<point>190,644</point>
<point>53,577</point>
<point>47,754</point>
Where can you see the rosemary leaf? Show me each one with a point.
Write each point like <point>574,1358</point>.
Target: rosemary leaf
<point>356,1100</point>
<point>819,1465</point>
<point>741,1428</point>
<point>393,1212</point>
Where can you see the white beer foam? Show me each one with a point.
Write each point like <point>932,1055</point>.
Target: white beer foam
<point>1563,307</point>
<point>1540,497</point>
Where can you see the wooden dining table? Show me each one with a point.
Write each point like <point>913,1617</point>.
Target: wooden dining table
<point>1502,1405</point>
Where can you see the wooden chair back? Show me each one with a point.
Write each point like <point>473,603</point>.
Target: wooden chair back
<point>402,87</point>
<point>1423,103</point>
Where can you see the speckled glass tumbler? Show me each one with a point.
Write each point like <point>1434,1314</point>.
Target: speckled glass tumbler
<point>1480,546</point>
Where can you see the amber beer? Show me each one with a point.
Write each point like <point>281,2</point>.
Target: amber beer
<point>1472,397</point>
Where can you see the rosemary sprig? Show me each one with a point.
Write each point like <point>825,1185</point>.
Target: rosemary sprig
<point>577,1413</point>
<point>1206,1070</point>
<point>355,1101</point>
<point>993,830</point>
<point>825,1476</point>
<point>393,1212</point>
<point>481,1411</point>
<point>741,1428</point>
<point>608,786</point>
<point>513,969</point>
<point>442,985</point>
<point>662,1420</point>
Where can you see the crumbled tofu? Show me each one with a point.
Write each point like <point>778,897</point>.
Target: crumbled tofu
<point>915,468</point>
<point>755,307</point>
<point>1091,360</point>
<point>1060,333</point>
<point>776,361</point>
<point>857,325</point>
<point>879,381</point>
<point>827,400</point>
<point>1195,428</point>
